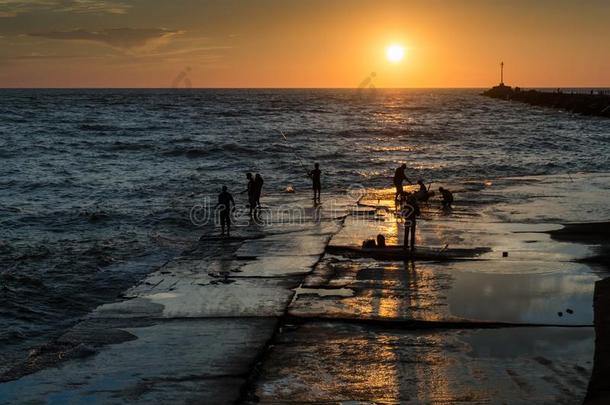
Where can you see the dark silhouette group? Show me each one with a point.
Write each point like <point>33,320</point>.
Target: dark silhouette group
<point>226,203</point>
<point>408,203</point>
<point>254,189</point>
<point>423,193</point>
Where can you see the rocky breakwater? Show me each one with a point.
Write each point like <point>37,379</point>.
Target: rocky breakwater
<point>593,103</point>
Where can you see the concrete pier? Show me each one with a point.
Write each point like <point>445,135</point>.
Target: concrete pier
<point>270,316</point>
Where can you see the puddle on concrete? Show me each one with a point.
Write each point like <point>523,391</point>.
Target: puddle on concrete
<point>520,292</point>
<point>526,277</point>
<point>334,362</point>
<point>536,298</point>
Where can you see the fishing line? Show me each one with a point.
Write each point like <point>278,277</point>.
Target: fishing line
<point>295,154</point>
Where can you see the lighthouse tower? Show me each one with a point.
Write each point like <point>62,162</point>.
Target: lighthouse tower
<point>501,73</point>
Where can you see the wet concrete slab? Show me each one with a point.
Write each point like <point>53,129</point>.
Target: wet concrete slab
<point>207,297</point>
<point>335,363</point>
<point>467,291</point>
<point>276,266</point>
<point>255,280</point>
<point>283,245</point>
<point>197,361</point>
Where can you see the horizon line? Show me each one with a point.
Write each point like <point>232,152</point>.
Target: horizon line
<point>291,88</point>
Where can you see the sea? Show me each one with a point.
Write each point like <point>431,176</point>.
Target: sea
<point>97,185</point>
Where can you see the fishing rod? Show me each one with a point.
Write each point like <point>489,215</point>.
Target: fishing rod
<point>295,154</point>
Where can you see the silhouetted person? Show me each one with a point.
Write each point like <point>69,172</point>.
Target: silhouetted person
<point>317,185</point>
<point>447,197</point>
<point>399,177</point>
<point>251,190</point>
<point>225,204</point>
<point>258,189</point>
<point>410,211</point>
<point>422,186</point>
<point>422,193</point>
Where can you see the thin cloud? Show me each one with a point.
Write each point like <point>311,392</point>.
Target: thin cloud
<point>93,6</point>
<point>191,51</point>
<point>122,38</point>
<point>38,56</point>
<point>12,8</point>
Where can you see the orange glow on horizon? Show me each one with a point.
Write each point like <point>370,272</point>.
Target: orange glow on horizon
<point>306,44</point>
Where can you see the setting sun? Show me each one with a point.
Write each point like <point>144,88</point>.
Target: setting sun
<point>395,53</point>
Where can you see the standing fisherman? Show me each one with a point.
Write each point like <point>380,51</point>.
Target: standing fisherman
<point>317,185</point>
<point>226,205</point>
<point>258,189</point>
<point>399,176</point>
<point>410,211</point>
<point>251,190</point>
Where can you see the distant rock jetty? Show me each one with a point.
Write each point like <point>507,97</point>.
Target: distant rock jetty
<point>592,102</point>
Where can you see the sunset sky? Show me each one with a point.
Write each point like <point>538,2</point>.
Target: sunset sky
<point>325,43</point>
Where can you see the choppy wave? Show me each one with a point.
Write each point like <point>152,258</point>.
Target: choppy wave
<point>127,146</point>
<point>223,149</point>
<point>98,127</point>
